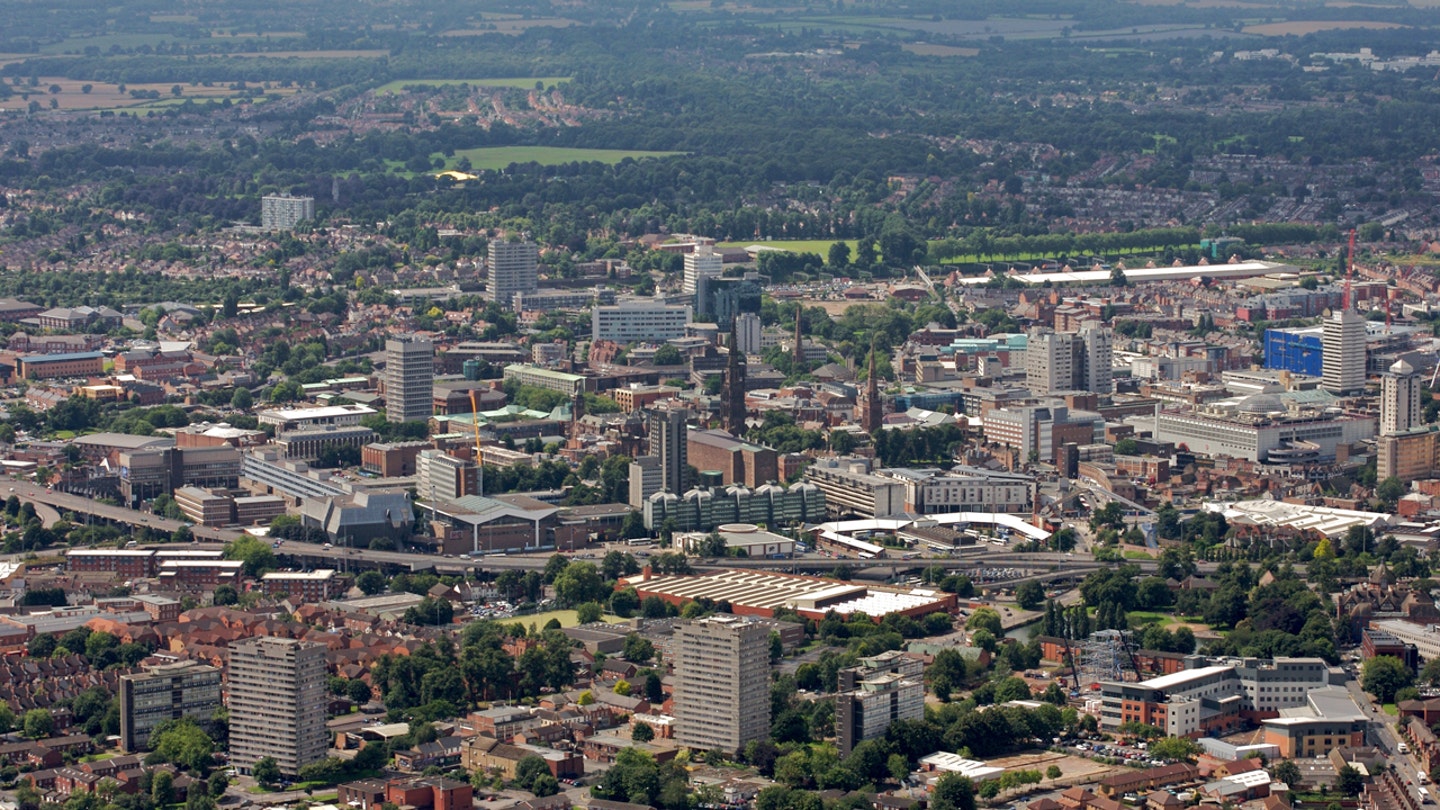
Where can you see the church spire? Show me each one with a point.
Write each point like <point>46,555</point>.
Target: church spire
<point>799,352</point>
<point>871,412</point>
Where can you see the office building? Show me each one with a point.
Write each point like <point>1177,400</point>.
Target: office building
<point>409,379</point>
<point>278,696</point>
<point>514,268</point>
<point>1212,696</point>
<point>702,262</point>
<point>1399,399</point>
<point>645,480</point>
<point>703,509</point>
<point>1038,431</point>
<point>867,711</point>
<point>850,487</point>
<point>1343,361</point>
<point>1408,455</point>
<point>168,692</point>
<point>1261,427</point>
<point>722,299</point>
<point>748,331</point>
<point>1060,361</point>
<point>722,694</point>
<point>1097,354</point>
<point>281,212</point>
<point>441,476</point>
<point>669,442</point>
<point>639,321</point>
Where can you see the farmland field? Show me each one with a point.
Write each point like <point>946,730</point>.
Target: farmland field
<point>499,157</point>
<point>105,96</point>
<point>929,49</point>
<point>1300,28</point>
<point>521,82</point>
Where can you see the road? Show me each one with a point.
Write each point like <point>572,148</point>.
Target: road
<point>1043,566</point>
<point>1382,735</point>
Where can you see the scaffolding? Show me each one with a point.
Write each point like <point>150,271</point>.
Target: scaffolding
<point>1105,656</point>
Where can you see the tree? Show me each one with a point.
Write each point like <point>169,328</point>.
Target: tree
<point>642,733</point>
<point>1349,781</point>
<point>545,785</point>
<point>638,649</point>
<point>162,788</point>
<point>1287,772</point>
<point>1175,748</point>
<point>838,256</point>
<point>358,691</point>
<point>242,399</point>
<point>225,594</point>
<point>1384,675</point>
<point>256,556</point>
<point>668,355</point>
<point>266,771</point>
<point>38,723</point>
<point>1390,490</point>
<point>985,619</point>
<point>578,583</point>
<point>1029,595</point>
<point>528,769</point>
<point>183,743</point>
<point>371,583</point>
<point>953,792</point>
<point>589,612</point>
<point>1053,772</point>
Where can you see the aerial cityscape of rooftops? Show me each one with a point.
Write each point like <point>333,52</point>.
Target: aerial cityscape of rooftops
<point>730,405</point>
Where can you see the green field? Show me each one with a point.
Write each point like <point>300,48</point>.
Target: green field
<point>567,618</point>
<point>499,157</point>
<point>522,83</point>
<point>818,246</point>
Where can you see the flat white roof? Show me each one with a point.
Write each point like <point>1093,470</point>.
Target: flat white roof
<point>954,763</point>
<point>323,412</point>
<point>1137,274</point>
<point>109,552</point>
<point>1182,677</point>
<point>318,575</point>
<point>201,564</point>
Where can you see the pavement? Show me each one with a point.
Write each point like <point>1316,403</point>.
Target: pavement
<point>1382,735</point>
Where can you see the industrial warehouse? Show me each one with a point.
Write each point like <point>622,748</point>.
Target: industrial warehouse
<point>761,593</point>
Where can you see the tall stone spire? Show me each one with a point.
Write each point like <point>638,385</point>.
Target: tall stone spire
<point>798,354</point>
<point>871,411</point>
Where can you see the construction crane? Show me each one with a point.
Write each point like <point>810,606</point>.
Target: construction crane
<point>479,454</point>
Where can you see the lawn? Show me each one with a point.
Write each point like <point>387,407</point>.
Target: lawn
<point>567,618</point>
<point>1135,554</point>
<point>1389,708</point>
<point>1145,618</point>
<point>500,157</point>
<point>817,246</point>
<point>522,82</point>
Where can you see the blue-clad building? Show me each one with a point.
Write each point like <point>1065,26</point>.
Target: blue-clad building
<point>1298,351</point>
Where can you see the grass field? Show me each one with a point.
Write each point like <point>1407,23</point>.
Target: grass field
<point>524,83</point>
<point>1145,618</point>
<point>499,157</point>
<point>820,246</point>
<point>567,618</point>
